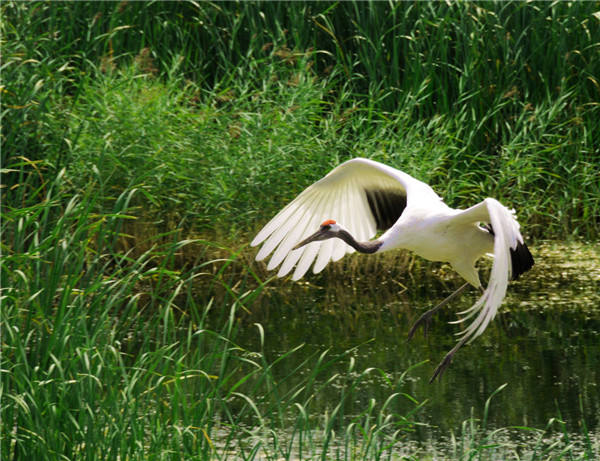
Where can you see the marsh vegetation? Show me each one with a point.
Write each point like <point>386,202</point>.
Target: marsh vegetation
<point>143,144</point>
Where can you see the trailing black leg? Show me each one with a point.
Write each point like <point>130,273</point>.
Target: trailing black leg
<point>445,363</point>
<point>426,317</point>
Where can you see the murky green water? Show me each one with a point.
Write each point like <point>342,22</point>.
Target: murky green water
<point>545,341</point>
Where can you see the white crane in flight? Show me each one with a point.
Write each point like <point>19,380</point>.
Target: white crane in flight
<point>359,197</point>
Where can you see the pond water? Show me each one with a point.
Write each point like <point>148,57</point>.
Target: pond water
<point>544,343</point>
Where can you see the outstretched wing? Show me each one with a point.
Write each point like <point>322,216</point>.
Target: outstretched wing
<point>361,194</point>
<point>511,259</point>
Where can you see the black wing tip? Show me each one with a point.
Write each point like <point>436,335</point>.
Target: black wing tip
<point>521,260</point>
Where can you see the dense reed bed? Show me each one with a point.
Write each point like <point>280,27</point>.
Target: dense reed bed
<point>137,134</point>
<point>227,108</point>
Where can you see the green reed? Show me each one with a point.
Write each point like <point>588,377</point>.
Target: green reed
<point>260,99</point>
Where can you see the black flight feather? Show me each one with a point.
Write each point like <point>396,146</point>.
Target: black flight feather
<point>386,206</point>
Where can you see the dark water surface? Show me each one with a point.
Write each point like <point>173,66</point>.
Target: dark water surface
<point>544,343</point>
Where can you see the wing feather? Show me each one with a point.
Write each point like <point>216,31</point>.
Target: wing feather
<point>292,236</point>
<point>301,229</point>
<point>324,256</point>
<point>295,213</point>
<point>289,262</point>
<point>507,236</point>
<point>281,217</point>
<point>355,216</point>
<point>311,250</point>
<point>368,225</point>
<point>342,248</point>
<point>331,246</point>
<point>338,249</point>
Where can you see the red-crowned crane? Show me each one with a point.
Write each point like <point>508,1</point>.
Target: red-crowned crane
<point>359,197</point>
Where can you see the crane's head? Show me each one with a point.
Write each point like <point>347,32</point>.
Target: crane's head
<point>327,230</point>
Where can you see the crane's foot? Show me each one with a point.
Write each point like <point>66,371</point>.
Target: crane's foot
<point>424,320</point>
<point>439,371</point>
<point>441,368</point>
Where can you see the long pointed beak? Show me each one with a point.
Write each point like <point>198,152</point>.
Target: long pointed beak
<point>319,235</point>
